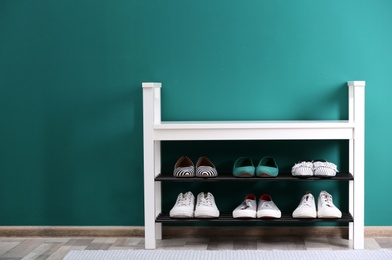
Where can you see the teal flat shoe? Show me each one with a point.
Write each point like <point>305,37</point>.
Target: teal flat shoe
<point>243,168</point>
<point>267,167</point>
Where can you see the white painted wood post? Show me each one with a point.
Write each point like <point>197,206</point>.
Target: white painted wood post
<point>152,162</point>
<point>359,163</point>
<point>351,160</point>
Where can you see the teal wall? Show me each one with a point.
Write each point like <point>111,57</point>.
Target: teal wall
<point>71,98</point>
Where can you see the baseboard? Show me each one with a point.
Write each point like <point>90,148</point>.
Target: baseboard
<point>378,231</point>
<point>71,231</point>
<point>184,232</point>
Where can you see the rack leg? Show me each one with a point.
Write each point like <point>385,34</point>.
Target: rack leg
<point>359,165</point>
<point>149,196</point>
<point>351,188</point>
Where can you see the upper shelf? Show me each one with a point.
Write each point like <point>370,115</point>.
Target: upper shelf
<point>250,130</point>
<point>282,176</point>
<point>253,130</point>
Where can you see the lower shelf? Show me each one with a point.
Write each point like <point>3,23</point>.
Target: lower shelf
<point>227,217</point>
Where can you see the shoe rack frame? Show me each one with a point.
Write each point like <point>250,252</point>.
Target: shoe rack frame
<point>155,131</point>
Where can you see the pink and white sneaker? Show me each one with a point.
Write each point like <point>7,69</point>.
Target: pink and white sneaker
<point>266,208</point>
<point>247,209</point>
<point>306,208</point>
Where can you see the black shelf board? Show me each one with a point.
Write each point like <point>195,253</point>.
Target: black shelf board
<point>284,176</point>
<point>226,217</point>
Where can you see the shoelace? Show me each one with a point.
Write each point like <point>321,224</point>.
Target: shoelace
<point>306,201</point>
<point>247,204</point>
<point>327,199</point>
<point>184,200</point>
<point>205,200</point>
<point>266,204</point>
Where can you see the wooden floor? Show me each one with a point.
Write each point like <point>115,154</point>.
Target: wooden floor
<point>58,247</point>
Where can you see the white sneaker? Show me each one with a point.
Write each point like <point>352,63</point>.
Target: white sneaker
<point>184,206</point>
<point>324,169</point>
<point>205,206</point>
<point>303,168</point>
<point>266,208</point>
<point>306,208</point>
<point>247,209</point>
<point>326,208</point>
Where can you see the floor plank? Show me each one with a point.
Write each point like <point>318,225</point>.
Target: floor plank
<point>53,248</point>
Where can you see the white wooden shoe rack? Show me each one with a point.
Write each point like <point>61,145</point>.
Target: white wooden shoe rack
<point>156,131</point>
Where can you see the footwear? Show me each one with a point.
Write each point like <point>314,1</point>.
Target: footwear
<point>184,168</point>
<point>266,208</point>
<point>302,169</point>
<point>267,167</point>
<point>306,208</point>
<point>205,168</point>
<point>326,208</point>
<point>243,168</point>
<point>205,206</point>
<point>184,206</point>
<point>247,209</point>
<point>322,168</point>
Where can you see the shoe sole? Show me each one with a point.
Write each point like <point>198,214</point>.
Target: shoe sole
<point>244,175</point>
<point>265,175</point>
<point>305,215</point>
<point>244,214</point>
<point>303,172</point>
<point>328,216</point>
<point>204,214</point>
<point>182,214</point>
<point>324,172</point>
<point>325,175</point>
<point>303,175</point>
<point>269,214</point>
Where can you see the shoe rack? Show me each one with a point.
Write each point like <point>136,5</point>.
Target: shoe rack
<point>156,131</point>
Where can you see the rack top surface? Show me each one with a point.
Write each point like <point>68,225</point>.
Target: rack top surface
<point>255,124</point>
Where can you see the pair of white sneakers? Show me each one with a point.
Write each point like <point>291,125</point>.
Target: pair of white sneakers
<point>185,206</point>
<point>319,168</point>
<point>325,209</point>
<point>265,208</point>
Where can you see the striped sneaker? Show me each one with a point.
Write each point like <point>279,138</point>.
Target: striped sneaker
<point>184,168</point>
<point>205,168</point>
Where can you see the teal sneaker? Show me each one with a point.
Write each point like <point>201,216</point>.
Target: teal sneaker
<point>243,168</point>
<point>267,167</point>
